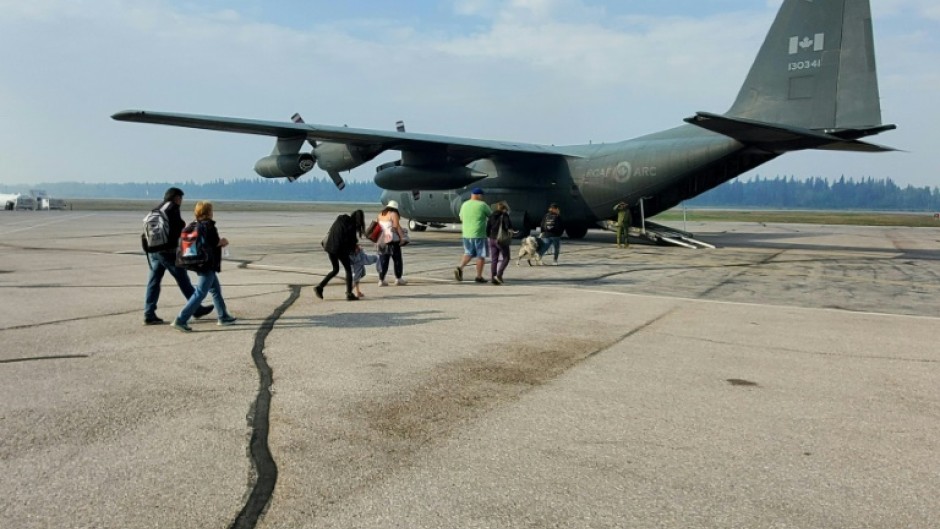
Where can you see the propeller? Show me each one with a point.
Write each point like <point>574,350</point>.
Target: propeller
<point>334,175</point>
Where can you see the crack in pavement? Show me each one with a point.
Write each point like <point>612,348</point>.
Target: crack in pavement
<point>259,421</point>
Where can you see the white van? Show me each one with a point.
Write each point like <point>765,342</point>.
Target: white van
<point>17,202</point>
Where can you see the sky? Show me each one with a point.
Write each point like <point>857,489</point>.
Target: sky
<point>555,72</point>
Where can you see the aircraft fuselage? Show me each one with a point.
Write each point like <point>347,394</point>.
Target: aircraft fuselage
<point>662,169</point>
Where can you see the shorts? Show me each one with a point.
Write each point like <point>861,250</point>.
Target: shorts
<point>475,247</point>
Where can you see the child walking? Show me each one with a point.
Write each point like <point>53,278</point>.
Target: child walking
<point>359,259</point>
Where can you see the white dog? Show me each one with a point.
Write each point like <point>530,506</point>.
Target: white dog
<point>529,249</point>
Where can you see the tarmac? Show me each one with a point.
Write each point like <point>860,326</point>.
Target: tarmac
<point>788,378</point>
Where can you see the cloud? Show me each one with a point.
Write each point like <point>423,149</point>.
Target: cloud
<point>928,9</point>
<point>541,71</point>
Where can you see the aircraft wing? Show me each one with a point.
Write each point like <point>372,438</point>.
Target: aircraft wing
<point>460,150</point>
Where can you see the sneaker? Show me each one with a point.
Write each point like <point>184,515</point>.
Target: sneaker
<point>180,326</point>
<point>383,283</point>
<point>480,280</point>
<point>153,320</point>
<point>318,290</point>
<point>458,274</point>
<point>400,282</point>
<point>555,263</point>
<point>497,280</point>
<point>351,297</point>
<point>203,310</point>
<point>228,319</point>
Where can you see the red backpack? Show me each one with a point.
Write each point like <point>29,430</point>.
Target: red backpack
<point>192,252</point>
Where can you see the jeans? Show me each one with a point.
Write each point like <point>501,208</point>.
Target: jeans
<point>160,263</point>
<point>499,258</point>
<point>208,283</point>
<point>335,260</point>
<point>392,252</point>
<point>551,242</point>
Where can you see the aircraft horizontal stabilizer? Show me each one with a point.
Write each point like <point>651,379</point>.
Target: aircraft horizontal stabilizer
<point>783,138</point>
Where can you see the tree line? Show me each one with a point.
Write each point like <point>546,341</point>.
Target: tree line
<point>819,193</point>
<point>304,190</point>
<point>779,192</point>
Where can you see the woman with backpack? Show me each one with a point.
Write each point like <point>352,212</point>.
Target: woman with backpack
<point>340,242</point>
<point>499,236</point>
<point>207,236</point>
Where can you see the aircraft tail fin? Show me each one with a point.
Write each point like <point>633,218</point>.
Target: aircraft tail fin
<point>815,70</point>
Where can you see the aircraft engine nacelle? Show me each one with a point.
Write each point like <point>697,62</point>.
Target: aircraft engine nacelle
<point>285,165</point>
<point>336,157</point>
<point>408,178</point>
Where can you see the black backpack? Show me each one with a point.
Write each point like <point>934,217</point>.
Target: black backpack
<point>193,252</point>
<point>156,235</point>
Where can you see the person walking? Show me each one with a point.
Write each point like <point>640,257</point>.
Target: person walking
<point>162,259</point>
<point>358,260</point>
<point>473,216</point>
<point>551,229</point>
<point>208,274</point>
<point>390,242</point>
<point>623,224</point>
<point>340,242</point>
<point>499,236</point>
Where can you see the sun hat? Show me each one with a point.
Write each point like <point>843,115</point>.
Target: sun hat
<point>392,204</point>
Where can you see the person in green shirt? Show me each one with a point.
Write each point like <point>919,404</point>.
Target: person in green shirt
<point>473,216</point>
<point>623,224</point>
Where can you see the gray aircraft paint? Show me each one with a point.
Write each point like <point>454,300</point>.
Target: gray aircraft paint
<point>813,85</point>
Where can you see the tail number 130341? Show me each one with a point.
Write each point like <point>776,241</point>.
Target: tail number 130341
<point>804,65</point>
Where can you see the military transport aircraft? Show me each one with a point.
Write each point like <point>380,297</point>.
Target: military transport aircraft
<point>813,85</point>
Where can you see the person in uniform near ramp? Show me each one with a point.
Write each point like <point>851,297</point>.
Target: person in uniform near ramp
<point>623,224</point>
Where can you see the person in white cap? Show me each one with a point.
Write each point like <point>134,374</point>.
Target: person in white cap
<point>390,243</point>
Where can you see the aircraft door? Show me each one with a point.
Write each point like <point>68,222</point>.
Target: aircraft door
<point>520,223</point>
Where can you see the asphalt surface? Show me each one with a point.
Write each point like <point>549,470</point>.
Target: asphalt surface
<point>788,378</point>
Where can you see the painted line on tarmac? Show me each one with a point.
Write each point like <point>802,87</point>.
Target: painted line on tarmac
<point>419,278</point>
<point>50,222</point>
<point>34,358</point>
<point>744,304</point>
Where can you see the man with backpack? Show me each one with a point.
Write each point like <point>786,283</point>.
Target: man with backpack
<point>551,229</point>
<point>162,228</point>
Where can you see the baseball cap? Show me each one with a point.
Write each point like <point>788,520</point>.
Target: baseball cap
<point>476,191</point>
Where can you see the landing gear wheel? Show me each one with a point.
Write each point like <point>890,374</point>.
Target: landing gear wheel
<point>413,225</point>
<point>576,232</point>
